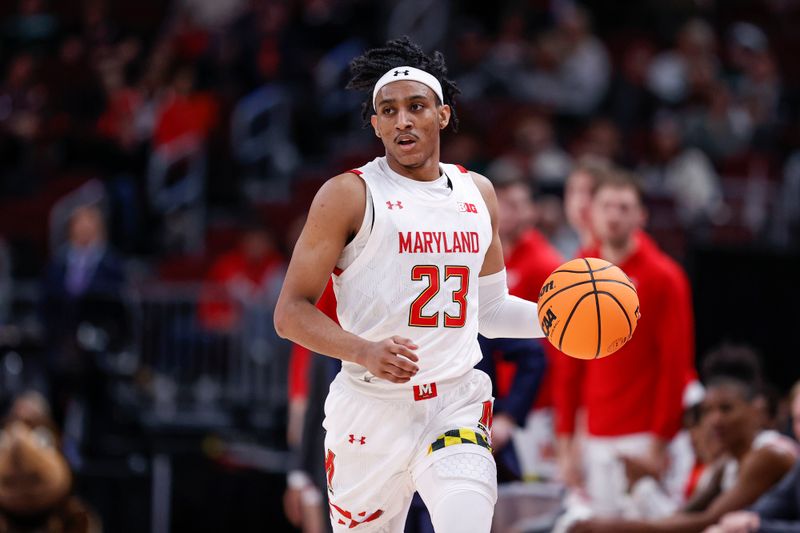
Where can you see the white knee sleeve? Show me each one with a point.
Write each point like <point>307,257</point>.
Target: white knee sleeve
<point>460,491</point>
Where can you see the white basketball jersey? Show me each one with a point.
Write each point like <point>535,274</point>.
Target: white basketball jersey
<point>417,275</point>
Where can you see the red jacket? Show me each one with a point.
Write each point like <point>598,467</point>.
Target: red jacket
<point>531,261</point>
<point>640,387</point>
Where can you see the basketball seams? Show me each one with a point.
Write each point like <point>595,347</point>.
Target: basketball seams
<point>597,305</point>
<point>583,271</point>
<point>569,318</point>
<point>562,289</point>
<point>622,307</point>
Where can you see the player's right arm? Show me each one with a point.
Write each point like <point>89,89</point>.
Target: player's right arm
<point>335,214</point>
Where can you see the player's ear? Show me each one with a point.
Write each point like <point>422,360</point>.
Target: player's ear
<point>444,116</point>
<point>374,121</point>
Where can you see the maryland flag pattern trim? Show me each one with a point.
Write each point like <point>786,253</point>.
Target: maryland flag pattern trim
<point>459,436</point>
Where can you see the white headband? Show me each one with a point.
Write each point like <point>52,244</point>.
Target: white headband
<point>408,73</point>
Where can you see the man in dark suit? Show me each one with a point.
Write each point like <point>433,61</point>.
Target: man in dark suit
<point>81,309</point>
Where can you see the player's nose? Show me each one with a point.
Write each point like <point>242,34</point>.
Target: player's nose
<point>403,120</point>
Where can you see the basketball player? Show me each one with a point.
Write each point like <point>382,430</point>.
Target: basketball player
<point>413,247</point>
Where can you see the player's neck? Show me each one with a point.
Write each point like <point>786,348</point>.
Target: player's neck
<point>427,171</point>
<point>618,254</point>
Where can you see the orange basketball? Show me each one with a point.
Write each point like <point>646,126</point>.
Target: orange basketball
<point>588,308</point>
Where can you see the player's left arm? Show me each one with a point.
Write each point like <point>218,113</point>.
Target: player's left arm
<point>500,314</point>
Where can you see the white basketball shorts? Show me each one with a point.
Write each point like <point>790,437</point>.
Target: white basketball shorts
<point>376,446</point>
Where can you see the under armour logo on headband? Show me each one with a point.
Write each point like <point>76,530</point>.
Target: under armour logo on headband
<point>408,73</point>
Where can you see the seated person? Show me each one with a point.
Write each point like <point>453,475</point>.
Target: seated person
<point>35,479</point>
<point>756,461</point>
<point>777,511</point>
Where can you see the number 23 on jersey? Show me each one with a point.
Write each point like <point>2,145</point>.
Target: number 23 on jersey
<point>432,275</point>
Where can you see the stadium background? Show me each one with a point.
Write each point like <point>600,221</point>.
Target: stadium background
<point>188,121</point>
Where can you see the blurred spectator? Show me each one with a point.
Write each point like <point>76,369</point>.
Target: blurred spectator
<point>82,309</point>
<point>534,153</point>
<point>633,400</point>
<point>33,26</point>
<point>777,511</point>
<point>755,460</point>
<point>670,73</point>
<point>601,139</point>
<point>573,70</point>
<point>36,483</point>
<point>5,282</point>
<point>631,102</point>
<point>785,230</point>
<point>185,112</point>
<point>577,202</point>
<point>22,99</point>
<point>684,175</point>
<point>243,277</point>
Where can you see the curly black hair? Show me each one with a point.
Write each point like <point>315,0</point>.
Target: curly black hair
<point>368,68</point>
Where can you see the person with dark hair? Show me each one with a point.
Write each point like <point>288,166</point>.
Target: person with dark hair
<point>418,272</point>
<point>756,460</point>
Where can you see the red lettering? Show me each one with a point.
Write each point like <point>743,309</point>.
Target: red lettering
<point>475,241</point>
<point>405,242</point>
<point>437,236</point>
<point>457,243</point>
<point>418,248</point>
<point>428,241</point>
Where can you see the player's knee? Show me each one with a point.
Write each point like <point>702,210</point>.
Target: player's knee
<point>462,509</point>
<point>458,473</point>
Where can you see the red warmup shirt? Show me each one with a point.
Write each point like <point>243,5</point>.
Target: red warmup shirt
<point>527,266</point>
<point>299,359</point>
<point>640,387</point>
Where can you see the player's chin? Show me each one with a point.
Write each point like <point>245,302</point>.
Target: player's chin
<point>410,160</point>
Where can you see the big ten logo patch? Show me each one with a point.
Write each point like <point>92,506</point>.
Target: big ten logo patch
<point>466,207</point>
<point>547,321</point>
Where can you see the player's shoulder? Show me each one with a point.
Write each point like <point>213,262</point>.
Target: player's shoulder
<point>346,186</point>
<point>341,197</point>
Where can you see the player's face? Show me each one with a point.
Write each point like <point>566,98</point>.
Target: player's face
<point>515,211</point>
<point>728,416</point>
<point>408,120</point>
<point>577,198</point>
<point>616,214</point>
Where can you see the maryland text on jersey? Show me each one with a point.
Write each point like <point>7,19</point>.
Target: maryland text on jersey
<point>438,242</point>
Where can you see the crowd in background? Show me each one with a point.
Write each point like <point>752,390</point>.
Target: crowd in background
<point>158,143</point>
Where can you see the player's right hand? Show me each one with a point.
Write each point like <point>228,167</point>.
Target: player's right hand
<point>391,359</point>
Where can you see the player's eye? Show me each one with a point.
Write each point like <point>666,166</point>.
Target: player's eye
<point>416,107</point>
<point>387,110</point>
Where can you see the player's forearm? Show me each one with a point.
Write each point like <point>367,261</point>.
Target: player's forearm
<point>304,324</point>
